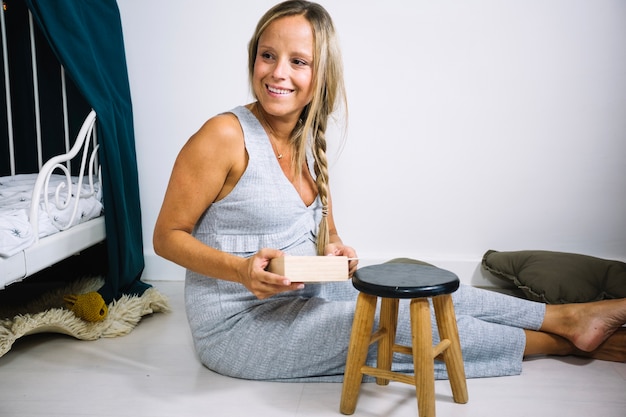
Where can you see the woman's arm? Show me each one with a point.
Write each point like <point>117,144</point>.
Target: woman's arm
<point>206,170</point>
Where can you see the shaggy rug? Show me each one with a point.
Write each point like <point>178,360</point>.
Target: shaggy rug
<point>46,314</point>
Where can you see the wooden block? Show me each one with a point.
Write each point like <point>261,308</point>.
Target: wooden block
<point>311,268</point>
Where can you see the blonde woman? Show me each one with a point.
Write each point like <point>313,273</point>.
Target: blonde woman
<point>252,185</point>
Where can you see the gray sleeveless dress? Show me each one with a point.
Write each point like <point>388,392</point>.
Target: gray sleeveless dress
<point>303,335</point>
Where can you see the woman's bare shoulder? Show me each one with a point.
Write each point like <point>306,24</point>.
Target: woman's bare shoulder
<point>220,136</point>
<point>224,127</point>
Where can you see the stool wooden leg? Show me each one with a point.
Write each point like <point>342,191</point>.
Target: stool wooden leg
<point>357,351</point>
<point>446,323</point>
<point>423,361</point>
<point>388,323</point>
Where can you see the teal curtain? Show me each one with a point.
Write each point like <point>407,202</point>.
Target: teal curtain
<point>86,36</point>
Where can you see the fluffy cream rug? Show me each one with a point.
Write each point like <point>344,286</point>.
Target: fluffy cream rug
<point>46,315</point>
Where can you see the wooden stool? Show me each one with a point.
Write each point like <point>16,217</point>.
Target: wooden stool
<point>392,281</point>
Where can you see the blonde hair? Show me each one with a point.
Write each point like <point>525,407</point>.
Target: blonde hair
<point>328,92</point>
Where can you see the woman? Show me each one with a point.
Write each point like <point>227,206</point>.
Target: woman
<point>252,185</point>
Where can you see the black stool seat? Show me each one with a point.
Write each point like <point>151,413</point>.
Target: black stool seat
<point>404,280</point>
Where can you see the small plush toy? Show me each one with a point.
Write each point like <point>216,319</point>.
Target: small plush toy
<point>89,306</point>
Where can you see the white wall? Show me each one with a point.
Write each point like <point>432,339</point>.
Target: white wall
<point>473,125</point>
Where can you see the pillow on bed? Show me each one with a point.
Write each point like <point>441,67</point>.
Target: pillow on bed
<point>557,277</point>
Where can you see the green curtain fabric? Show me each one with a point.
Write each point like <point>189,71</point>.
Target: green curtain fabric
<point>86,36</point>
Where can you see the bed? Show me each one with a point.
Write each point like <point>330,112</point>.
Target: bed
<point>48,216</point>
<point>52,180</point>
<point>51,206</point>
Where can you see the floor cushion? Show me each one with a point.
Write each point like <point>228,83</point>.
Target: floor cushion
<point>558,277</point>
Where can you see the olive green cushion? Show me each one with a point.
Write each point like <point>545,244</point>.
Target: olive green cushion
<point>557,277</point>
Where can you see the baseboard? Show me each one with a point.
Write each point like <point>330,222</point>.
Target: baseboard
<point>469,271</point>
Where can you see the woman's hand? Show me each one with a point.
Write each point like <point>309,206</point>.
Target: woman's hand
<point>261,283</point>
<point>339,249</point>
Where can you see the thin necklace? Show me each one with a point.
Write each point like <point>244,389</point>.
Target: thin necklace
<point>277,153</point>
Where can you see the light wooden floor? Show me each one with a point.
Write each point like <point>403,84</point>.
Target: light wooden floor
<point>154,372</point>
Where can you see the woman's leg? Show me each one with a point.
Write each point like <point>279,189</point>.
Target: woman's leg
<point>490,329</point>
<point>540,343</point>
<point>586,325</point>
<point>582,329</point>
<point>586,329</point>
<point>498,308</point>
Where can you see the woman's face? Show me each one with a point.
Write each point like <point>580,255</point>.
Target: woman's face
<point>283,69</point>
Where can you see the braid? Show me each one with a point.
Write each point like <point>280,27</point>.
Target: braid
<point>321,180</point>
<point>320,167</point>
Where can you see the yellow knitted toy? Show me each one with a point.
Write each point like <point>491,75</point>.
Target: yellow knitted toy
<point>90,306</point>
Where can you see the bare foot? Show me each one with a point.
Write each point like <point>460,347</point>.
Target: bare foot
<point>586,325</point>
<point>612,349</point>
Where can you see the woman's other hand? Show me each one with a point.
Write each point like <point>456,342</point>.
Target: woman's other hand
<point>339,249</point>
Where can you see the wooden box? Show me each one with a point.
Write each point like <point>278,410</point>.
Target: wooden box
<point>311,268</point>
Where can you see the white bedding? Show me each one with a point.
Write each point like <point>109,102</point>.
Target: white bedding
<point>16,233</point>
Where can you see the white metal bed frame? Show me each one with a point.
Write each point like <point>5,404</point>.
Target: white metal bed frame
<point>70,240</point>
